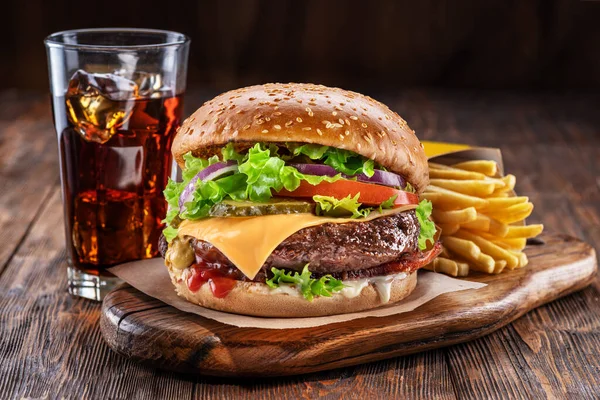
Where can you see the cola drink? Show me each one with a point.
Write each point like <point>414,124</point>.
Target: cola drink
<point>115,132</point>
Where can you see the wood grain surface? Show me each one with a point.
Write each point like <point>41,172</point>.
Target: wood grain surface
<point>140,327</point>
<point>50,342</point>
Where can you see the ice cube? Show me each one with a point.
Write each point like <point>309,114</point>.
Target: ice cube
<point>150,84</point>
<point>100,104</point>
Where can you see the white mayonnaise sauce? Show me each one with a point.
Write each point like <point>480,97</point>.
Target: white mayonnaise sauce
<point>354,287</point>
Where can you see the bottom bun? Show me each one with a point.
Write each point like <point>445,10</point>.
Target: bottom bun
<point>257,299</point>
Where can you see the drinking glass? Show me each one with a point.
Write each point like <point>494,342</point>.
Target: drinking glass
<point>117,100</point>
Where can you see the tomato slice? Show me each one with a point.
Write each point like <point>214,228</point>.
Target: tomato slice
<point>370,194</point>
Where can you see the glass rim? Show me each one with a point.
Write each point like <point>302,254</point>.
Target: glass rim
<point>52,40</point>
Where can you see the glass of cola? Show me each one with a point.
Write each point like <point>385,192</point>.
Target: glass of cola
<point>117,99</point>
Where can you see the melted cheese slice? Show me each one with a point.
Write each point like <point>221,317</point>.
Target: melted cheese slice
<point>248,241</point>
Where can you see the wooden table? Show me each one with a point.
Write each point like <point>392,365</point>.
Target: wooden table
<point>50,342</point>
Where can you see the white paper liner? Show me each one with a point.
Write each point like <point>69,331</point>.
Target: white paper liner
<point>151,277</point>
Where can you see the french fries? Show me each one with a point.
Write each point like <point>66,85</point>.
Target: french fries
<point>451,200</point>
<point>482,221</point>
<point>479,188</point>
<point>528,231</point>
<point>486,167</point>
<point>463,216</point>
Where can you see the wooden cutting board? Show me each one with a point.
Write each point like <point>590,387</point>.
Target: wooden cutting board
<point>148,330</point>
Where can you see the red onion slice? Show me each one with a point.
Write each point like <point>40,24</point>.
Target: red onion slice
<point>380,177</point>
<point>209,173</point>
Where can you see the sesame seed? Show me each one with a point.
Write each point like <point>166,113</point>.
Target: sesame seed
<point>257,116</point>
<point>190,131</point>
<point>278,127</point>
<point>364,125</point>
<point>267,119</point>
<point>246,127</point>
<point>354,117</point>
<point>347,133</point>
<point>329,125</point>
<point>299,101</point>
<point>320,132</point>
<point>239,112</point>
<point>341,121</point>
<point>265,131</point>
<point>387,117</point>
<point>215,120</point>
<point>336,125</point>
<point>342,137</point>
<point>277,113</point>
<point>299,119</point>
<point>204,122</point>
<point>260,121</point>
<point>358,146</point>
<point>312,104</point>
<point>289,123</point>
<point>235,133</point>
<point>252,98</point>
<point>307,128</point>
<point>334,113</point>
<point>276,108</point>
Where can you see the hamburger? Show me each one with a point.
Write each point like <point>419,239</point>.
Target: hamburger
<point>297,200</point>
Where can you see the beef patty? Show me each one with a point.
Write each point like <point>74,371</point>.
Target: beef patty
<point>332,248</point>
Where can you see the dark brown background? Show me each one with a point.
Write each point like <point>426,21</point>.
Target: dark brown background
<point>363,45</point>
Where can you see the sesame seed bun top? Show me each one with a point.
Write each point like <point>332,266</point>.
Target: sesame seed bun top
<point>305,113</point>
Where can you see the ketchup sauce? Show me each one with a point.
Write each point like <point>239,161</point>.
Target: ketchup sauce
<point>200,273</point>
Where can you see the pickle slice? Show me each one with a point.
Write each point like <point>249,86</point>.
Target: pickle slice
<point>229,208</point>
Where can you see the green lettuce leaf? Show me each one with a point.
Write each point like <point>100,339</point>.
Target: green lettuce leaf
<point>346,207</point>
<point>194,165</point>
<point>344,161</point>
<point>266,172</point>
<point>409,188</point>
<point>427,233</point>
<point>389,203</point>
<point>309,287</point>
<point>229,153</point>
<point>170,233</point>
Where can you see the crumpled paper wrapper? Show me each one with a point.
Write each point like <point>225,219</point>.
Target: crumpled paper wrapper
<point>151,277</point>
